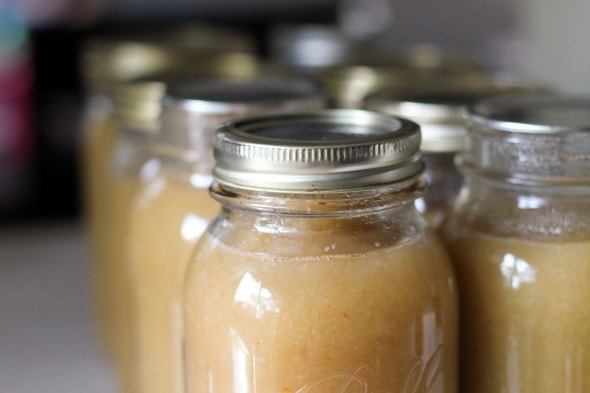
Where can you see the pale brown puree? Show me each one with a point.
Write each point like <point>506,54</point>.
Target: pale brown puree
<point>524,328</point>
<point>167,217</point>
<point>319,305</point>
<point>123,190</point>
<point>100,133</point>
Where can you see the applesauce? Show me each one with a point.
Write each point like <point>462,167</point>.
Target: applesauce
<point>529,316</point>
<point>100,132</point>
<point>319,280</point>
<point>173,209</point>
<point>110,59</point>
<point>519,236</point>
<point>167,218</point>
<point>358,316</point>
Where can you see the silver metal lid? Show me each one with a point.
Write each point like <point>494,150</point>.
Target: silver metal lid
<point>333,150</point>
<point>439,116</point>
<point>193,111</point>
<point>543,139</point>
<point>439,109</point>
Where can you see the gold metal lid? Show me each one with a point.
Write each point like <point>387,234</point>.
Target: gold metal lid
<point>138,105</point>
<point>331,151</point>
<point>124,55</point>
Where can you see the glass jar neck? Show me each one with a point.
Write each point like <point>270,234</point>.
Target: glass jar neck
<point>522,211</point>
<point>352,203</point>
<point>528,159</point>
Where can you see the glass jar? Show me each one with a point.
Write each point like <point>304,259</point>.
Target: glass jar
<point>172,210</point>
<point>137,112</point>
<point>519,235</point>
<point>319,274</point>
<point>438,109</point>
<point>108,61</point>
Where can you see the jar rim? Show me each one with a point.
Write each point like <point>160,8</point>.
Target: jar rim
<point>320,151</point>
<point>542,114</point>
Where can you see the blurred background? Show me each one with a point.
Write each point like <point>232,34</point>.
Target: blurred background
<point>45,330</point>
<point>41,90</point>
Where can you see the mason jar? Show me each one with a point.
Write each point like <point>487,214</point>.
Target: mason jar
<point>136,114</point>
<point>438,109</point>
<point>319,274</point>
<point>109,60</point>
<point>173,208</point>
<point>519,235</point>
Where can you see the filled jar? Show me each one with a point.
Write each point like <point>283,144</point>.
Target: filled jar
<point>318,274</point>
<point>519,236</point>
<point>108,61</point>
<point>438,110</point>
<point>173,208</point>
<point>137,112</point>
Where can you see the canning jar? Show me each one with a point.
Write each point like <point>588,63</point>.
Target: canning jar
<point>319,275</point>
<point>109,60</point>
<point>172,210</point>
<point>519,235</point>
<point>137,112</point>
<point>438,109</point>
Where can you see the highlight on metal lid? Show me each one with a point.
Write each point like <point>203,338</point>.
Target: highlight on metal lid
<point>531,140</point>
<point>331,150</point>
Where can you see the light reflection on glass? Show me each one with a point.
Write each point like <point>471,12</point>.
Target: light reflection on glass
<point>530,202</point>
<point>198,180</point>
<point>149,169</point>
<point>240,366</point>
<point>251,295</point>
<point>420,205</point>
<point>193,227</point>
<point>516,271</point>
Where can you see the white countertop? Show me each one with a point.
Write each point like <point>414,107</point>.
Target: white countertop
<point>47,342</point>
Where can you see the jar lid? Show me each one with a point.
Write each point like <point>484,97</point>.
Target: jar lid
<point>138,104</point>
<point>542,139</point>
<point>439,116</point>
<point>122,55</point>
<point>333,150</point>
<point>439,109</point>
<point>193,111</point>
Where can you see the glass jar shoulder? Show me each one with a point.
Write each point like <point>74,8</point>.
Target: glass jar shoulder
<point>285,235</point>
<point>527,213</point>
